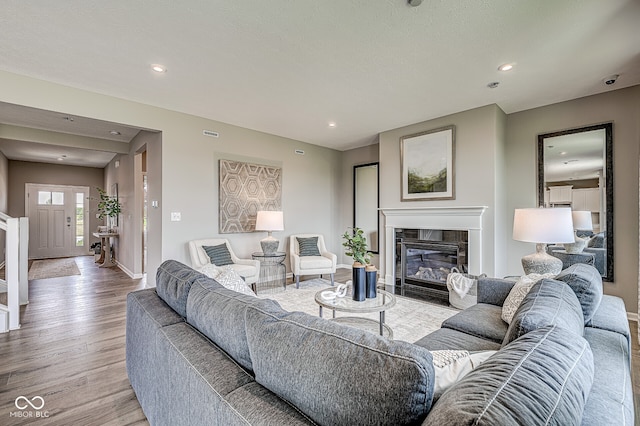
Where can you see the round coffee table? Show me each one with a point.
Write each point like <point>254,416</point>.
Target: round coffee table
<point>383,301</point>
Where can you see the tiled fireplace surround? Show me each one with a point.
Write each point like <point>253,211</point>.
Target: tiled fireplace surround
<point>449,218</point>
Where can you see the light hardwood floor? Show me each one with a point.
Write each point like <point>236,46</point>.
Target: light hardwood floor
<point>71,351</point>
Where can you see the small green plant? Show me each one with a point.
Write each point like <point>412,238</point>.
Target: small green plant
<point>107,206</point>
<point>356,245</point>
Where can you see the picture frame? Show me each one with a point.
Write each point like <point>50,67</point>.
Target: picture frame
<point>428,165</point>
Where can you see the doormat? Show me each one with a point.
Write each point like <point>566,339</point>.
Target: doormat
<point>53,268</point>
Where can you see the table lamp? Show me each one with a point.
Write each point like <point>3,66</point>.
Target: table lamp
<point>581,222</point>
<point>269,221</point>
<point>542,226</point>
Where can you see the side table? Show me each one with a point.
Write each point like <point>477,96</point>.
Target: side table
<point>273,273</point>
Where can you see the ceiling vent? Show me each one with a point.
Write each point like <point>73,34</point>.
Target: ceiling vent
<point>211,133</point>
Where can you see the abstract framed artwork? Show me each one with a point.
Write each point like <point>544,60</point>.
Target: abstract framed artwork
<point>427,164</point>
<point>244,189</point>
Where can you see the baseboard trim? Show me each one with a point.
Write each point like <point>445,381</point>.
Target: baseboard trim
<point>632,316</point>
<point>128,272</point>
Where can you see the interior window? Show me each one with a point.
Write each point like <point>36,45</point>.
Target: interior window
<point>51,198</point>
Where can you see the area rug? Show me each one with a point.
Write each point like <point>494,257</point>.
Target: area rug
<point>409,319</point>
<point>53,268</point>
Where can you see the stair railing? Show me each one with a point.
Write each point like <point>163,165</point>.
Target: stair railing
<point>16,282</point>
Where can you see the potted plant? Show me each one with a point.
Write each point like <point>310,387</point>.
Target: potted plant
<point>108,207</point>
<point>356,244</point>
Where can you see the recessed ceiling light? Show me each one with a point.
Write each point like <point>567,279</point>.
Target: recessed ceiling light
<point>60,158</point>
<point>158,68</point>
<point>114,132</point>
<point>505,67</point>
<point>563,153</point>
<point>332,124</point>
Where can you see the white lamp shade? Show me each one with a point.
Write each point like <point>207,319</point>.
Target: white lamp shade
<point>269,221</point>
<point>543,225</point>
<point>582,220</point>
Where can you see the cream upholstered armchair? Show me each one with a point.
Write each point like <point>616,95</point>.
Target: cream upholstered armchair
<point>309,256</point>
<point>202,250</point>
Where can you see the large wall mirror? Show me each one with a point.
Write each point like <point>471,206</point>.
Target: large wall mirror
<point>365,202</point>
<point>575,169</point>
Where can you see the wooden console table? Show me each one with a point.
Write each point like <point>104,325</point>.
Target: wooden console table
<point>105,260</point>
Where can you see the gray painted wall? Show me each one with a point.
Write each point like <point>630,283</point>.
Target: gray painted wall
<point>622,107</point>
<point>23,172</point>
<point>350,158</point>
<point>187,168</point>
<point>479,150</point>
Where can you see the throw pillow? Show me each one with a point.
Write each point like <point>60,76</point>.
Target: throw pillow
<point>228,277</point>
<point>233,281</point>
<point>518,292</point>
<point>452,365</point>
<point>219,254</point>
<point>308,246</point>
<point>586,282</point>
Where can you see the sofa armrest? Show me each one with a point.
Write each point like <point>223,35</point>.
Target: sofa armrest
<point>493,291</point>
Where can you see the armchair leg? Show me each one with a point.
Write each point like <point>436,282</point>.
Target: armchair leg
<point>297,281</point>
<point>331,280</point>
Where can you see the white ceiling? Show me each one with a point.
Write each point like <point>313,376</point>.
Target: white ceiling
<point>290,67</point>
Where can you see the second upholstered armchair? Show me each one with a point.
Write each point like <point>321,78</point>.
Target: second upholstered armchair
<point>309,256</point>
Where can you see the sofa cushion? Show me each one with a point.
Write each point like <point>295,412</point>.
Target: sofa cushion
<point>219,314</point>
<point>447,338</point>
<point>308,246</point>
<point>219,254</point>
<point>549,302</point>
<point>611,315</point>
<point>542,378</point>
<point>173,283</point>
<point>611,399</point>
<point>481,320</point>
<point>336,374</point>
<point>586,282</point>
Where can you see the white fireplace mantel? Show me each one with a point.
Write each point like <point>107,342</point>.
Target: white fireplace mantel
<point>464,218</point>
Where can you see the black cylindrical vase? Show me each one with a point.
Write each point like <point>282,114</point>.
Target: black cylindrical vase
<point>372,278</point>
<point>359,285</point>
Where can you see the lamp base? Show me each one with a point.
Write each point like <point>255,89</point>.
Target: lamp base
<point>541,262</point>
<point>269,245</point>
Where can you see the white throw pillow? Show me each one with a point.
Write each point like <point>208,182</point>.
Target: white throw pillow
<point>517,294</point>
<point>228,277</point>
<point>451,366</point>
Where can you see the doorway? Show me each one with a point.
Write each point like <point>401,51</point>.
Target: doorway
<point>58,220</point>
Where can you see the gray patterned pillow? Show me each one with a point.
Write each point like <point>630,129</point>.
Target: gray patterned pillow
<point>308,246</point>
<point>219,254</point>
<point>517,294</point>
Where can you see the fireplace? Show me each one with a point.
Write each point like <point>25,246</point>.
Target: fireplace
<point>422,221</point>
<point>424,259</point>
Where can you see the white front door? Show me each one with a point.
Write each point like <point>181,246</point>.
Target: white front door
<point>58,220</point>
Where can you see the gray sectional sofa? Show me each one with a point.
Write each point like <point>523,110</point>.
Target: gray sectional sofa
<point>198,353</point>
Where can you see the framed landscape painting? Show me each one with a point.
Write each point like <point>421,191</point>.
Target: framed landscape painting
<point>428,165</point>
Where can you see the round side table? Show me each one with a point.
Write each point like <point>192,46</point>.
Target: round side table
<point>273,273</point>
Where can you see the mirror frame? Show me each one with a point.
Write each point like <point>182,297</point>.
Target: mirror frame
<point>374,250</point>
<point>608,128</point>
